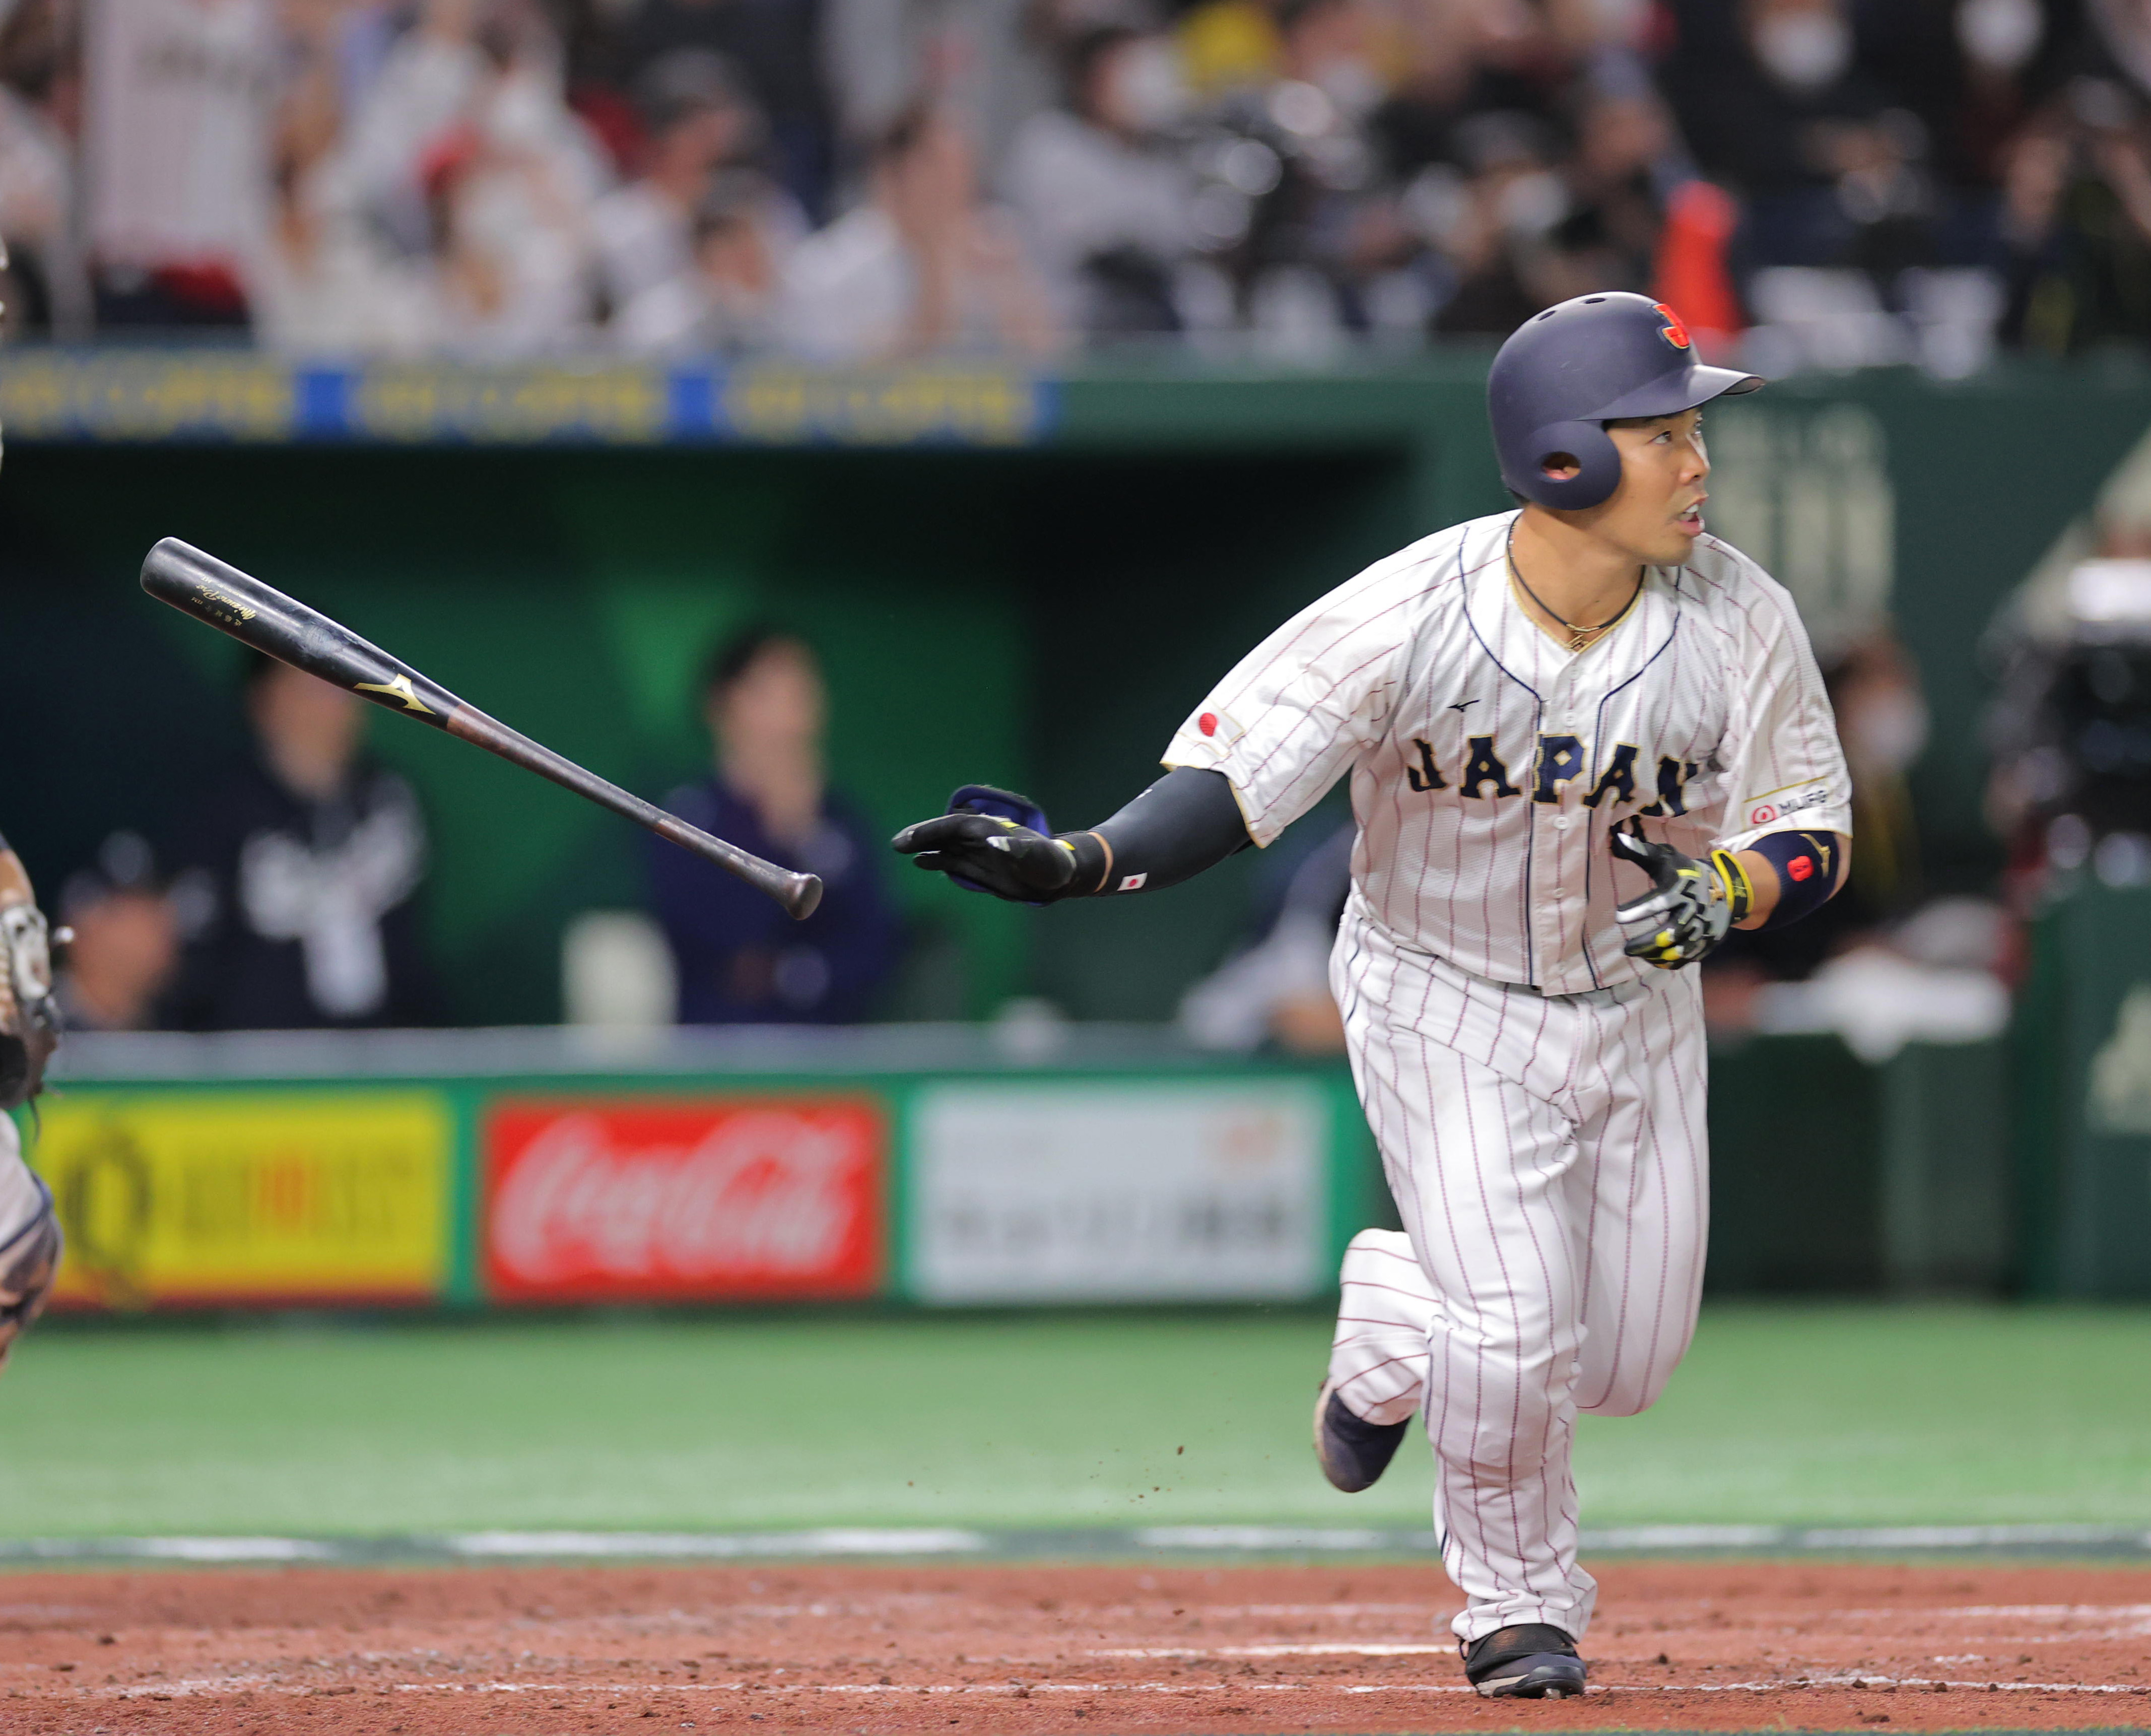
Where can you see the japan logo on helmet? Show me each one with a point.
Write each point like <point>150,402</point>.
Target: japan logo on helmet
<point>1674,331</point>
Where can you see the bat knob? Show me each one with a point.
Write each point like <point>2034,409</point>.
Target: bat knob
<point>802,892</point>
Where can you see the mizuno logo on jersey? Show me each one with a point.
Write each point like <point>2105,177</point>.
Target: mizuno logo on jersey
<point>1558,760</point>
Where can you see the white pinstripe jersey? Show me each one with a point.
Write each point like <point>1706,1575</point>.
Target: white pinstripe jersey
<point>1488,764</point>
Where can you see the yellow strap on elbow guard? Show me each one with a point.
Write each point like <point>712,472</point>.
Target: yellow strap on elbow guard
<point>1739,889</point>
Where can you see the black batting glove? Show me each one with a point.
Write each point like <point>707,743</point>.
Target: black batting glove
<point>994,854</point>
<point>1689,907</point>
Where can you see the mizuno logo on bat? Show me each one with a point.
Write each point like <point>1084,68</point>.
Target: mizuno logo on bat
<point>400,688</point>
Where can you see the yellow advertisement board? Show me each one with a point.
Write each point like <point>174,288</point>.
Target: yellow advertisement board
<point>248,1196</point>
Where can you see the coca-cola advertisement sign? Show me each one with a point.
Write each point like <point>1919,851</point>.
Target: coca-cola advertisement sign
<point>607,1201</point>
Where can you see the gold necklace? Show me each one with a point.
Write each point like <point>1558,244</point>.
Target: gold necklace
<point>1580,638</point>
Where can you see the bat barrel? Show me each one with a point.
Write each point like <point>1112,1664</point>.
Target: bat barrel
<point>241,606</point>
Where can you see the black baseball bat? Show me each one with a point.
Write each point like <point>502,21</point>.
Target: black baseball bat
<point>259,615</point>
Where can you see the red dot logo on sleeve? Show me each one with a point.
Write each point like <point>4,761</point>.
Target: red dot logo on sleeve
<point>1800,867</point>
<point>1207,723</point>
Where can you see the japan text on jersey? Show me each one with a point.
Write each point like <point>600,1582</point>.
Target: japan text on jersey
<point>1488,762</point>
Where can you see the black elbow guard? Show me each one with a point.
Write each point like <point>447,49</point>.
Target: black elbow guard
<point>1187,821</point>
<point>1806,863</point>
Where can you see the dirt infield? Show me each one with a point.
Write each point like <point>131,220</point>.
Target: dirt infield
<point>949,1650</point>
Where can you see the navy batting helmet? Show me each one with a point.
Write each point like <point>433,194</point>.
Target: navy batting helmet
<point>1565,373</point>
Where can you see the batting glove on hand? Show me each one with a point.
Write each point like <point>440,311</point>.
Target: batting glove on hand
<point>979,845</point>
<point>1689,907</point>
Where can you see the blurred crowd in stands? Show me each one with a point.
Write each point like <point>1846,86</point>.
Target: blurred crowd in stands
<point>1826,182</point>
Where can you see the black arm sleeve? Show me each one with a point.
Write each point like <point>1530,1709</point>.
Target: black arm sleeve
<point>1187,821</point>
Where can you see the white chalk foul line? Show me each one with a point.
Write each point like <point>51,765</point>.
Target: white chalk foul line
<point>837,1540</point>
<point>870,1542</point>
<point>1355,1648</point>
<point>1020,1689</point>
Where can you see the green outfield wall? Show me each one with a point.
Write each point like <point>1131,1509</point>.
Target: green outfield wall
<point>2082,1114</point>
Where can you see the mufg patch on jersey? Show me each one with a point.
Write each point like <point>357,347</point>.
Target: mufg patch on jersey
<point>1481,774</point>
<point>1775,804</point>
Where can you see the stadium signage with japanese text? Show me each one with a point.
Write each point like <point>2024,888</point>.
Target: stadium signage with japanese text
<point>1119,1192</point>
<point>607,1200</point>
<point>188,394</point>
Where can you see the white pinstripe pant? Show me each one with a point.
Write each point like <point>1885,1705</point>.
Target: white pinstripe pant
<point>1548,1155</point>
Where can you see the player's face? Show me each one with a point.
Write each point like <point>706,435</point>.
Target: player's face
<point>1656,512</point>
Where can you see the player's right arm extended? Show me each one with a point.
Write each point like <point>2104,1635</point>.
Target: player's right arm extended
<point>1187,821</point>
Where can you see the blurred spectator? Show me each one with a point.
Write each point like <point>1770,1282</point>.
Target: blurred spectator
<point>740,958</point>
<point>126,940</point>
<point>1277,989</point>
<point>989,64</point>
<point>464,147</point>
<point>1306,244</point>
<point>1773,100</point>
<point>180,95</point>
<point>777,47</point>
<point>1497,239</point>
<point>2076,222</point>
<point>922,266</point>
<point>2117,42</point>
<point>1105,208</point>
<point>300,873</point>
<point>1626,165</point>
<point>324,284</point>
<point>699,122</point>
<point>1969,71</point>
<point>1882,721</point>
<point>1230,45</point>
<point>723,301</point>
<point>47,286</point>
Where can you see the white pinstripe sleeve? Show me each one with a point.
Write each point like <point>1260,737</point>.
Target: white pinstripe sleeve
<point>1291,718</point>
<point>1784,768</point>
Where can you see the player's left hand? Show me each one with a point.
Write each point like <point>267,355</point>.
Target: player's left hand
<point>983,845</point>
<point>1689,907</point>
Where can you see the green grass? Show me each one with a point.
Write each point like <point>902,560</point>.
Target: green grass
<point>1862,1416</point>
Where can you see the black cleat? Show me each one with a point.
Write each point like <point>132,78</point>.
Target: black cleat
<point>1354,1454</point>
<point>1531,1661</point>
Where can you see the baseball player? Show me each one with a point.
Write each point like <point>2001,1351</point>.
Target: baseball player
<point>29,1232</point>
<point>1584,738</point>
